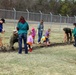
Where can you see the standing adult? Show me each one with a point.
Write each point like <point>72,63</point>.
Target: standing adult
<point>22,28</point>
<point>40,31</point>
<point>74,34</point>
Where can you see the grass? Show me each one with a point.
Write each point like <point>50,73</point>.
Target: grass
<point>59,60</point>
<point>46,61</point>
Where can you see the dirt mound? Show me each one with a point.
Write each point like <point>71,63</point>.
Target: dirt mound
<point>7,49</point>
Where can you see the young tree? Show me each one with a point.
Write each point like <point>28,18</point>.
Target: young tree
<point>65,8</point>
<point>73,10</point>
<point>54,6</point>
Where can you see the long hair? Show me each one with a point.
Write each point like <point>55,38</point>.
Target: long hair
<point>22,20</point>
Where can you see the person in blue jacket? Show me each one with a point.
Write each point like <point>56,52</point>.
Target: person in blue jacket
<point>40,31</point>
<point>22,28</point>
<point>1,30</point>
<point>1,25</point>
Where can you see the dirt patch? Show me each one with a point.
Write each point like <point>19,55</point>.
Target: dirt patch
<point>7,49</point>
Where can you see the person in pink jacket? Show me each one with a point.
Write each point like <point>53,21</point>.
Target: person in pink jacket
<point>30,41</point>
<point>33,34</point>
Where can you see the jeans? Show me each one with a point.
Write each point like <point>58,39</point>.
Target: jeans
<point>75,41</point>
<point>24,38</point>
<point>39,36</point>
<point>47,40</point>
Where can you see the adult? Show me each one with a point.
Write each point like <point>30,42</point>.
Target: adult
<point>40,31</point>
<point>67,34</point>
<point>13,39</point>
<point>22,28</point>
<point>74,34</point>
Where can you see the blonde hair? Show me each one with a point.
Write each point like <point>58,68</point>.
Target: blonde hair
<point>49,29</point>
<point>30,32</point>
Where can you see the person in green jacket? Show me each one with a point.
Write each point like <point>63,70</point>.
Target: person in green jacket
<point>74,33</point>
<point>22,28</point>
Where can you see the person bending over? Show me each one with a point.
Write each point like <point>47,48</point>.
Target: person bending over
<point>13,39</point>
<point>67,34</point>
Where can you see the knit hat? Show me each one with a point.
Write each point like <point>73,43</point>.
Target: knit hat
<point>33,29</point>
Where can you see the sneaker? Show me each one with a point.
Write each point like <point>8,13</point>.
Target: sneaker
<point>30,49</point>
<point>39,42</point>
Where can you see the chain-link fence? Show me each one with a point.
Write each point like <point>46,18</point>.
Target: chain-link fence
<point>53,21</point>
<point>31,16</point>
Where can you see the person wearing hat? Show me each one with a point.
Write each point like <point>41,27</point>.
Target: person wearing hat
<point>13,39</point>
<point>33,34</point>
<point>1,30</point>
<point>74,34</point>
<point>67,34</point>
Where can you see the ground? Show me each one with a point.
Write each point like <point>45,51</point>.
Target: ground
<point>54,60</point>
<point>59,60</point>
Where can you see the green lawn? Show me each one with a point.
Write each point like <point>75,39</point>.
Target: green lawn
<point>58,60</point>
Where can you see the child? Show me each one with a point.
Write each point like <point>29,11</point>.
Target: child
<point>46,38</point>
<point>30,41</point>
<point>1,30</point>
<point>74,34</point>
<point>47,34</point>
<point>33,34</point>
<point>43,39</point>
<point>1,25</point>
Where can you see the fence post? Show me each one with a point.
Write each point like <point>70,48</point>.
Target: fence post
<point>51,18</point>
<point>60,20</point>
<point>67,19</point>
<point>41,15</point>
<point>28,14</point>
<point>14,16</point>
<point>75,18</point>
<point>14,13</point>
